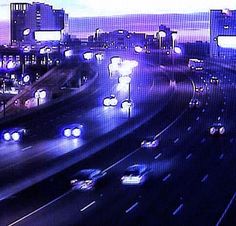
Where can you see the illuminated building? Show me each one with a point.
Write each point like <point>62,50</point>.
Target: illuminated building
<point>28,19</point>
<point>223,33</point>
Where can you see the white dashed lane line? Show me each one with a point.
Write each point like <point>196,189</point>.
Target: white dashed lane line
<point>166,178</point>
<point>132,207</point>
<point>26,148</point>
<point>158,156</point>
<point>89,205</point>
<point>204,178</point>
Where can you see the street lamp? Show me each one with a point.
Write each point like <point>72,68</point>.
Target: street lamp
<point>3,103</point>
<point>174,37</point>
<point>161,35</point>
<point>40,94</point>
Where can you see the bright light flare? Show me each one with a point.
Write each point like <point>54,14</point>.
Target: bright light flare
<point>76,132</point>
<point>15,136</point>
<point>68,53</point>
<point>138,49</point>
<point>7,136</point>
<point>178,50</point>
<point>125,79</point>
<point>99,56</point>
<point>11,64</point>
<point>67,132</point>
<point>227,42</point>
<point>116,60</point>
<point>88,56</point>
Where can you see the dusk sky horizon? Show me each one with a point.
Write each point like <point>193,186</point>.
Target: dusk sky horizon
<point>189,18</point>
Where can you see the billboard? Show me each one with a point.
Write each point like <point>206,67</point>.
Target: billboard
<point>43,36</point>
<point>227,42</point>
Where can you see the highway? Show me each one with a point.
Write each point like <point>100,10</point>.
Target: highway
<point>45,151</point>
<point>193,174</point>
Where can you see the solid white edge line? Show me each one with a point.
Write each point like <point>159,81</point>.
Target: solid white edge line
<point>40,208</point>
<point>226,210</point>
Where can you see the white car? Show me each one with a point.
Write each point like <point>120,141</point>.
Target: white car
<point>110,101</point>
<point>150,142</point>
<point>135,175</point>
<point>194,103</point>
<point>217,129</point>
<point>214,80</point>
<point>86,179</point>
<point>126,104</point>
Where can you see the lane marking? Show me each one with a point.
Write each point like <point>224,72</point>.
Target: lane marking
<point>204,178</point>
<point>24,149</point>
<point>176,140</point>
<point>89,205</point>
<point>203,140</point>
<point>221,156</point>
<point>218,118</point>
<point>197,118</point>
<point>166,178</point>
<point>203,110</point>
<point>116,163</point>
<point>158,156</point>
<point>132,207</point>
<point>39,209</point>
<point>189,156</point>
<point>178,209</point>
<point>159,134</point>
<point>189,128</point>
<point>222,110</point>
<point>226,209</point>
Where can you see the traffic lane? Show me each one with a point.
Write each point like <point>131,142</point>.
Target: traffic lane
<point>115,186</point>
<point>68,117</point>
<point>212,195</point>
<point>99,126</point>
<point>116,213</point>
<point>41,162</point>
<point>175,104</point>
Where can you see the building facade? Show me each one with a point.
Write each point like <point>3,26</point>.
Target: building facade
<point>28,19</point>
<point>223,33</point>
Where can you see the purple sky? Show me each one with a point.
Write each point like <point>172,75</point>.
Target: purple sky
<point>190,27</point>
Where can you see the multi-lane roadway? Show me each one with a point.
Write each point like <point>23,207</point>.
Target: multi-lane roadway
<point>193,173</point>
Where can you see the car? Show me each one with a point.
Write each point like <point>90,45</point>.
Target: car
<point>136,174</point>
<point>110,101</point>
<point>150,142</point>
<point>14,134</point>
<point>199,89</point>
<point>86,179</point>
<point>214,80</point>
<point>126,104</point>
<point>217,129</point>
<point>194,103</point>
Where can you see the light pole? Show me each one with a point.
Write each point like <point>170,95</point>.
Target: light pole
<point>40,94</point>
<point>161,35</point>
<point>3,102</point>
<point>174,37</point>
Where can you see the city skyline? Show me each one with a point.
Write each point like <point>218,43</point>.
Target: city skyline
<point>192,23</point>
<point>92,8</point>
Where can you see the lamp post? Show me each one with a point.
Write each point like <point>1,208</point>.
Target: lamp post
<point>3,102</point>
<point>174,37</point>
<point>161,35</point>
<point>40,94</point>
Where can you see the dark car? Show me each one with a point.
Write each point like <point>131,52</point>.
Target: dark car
<point>86,179</point>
